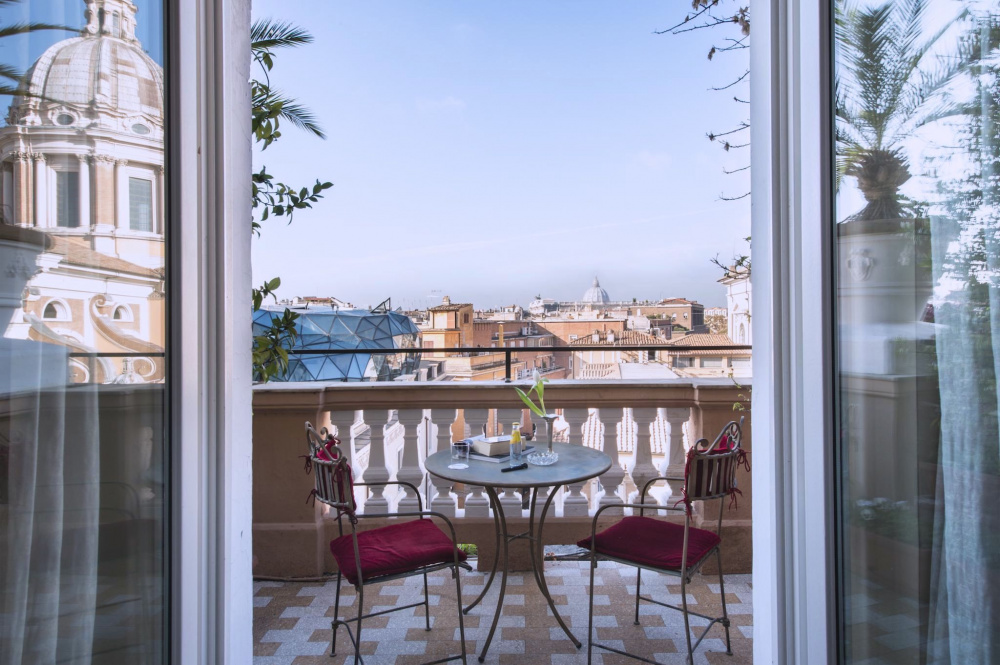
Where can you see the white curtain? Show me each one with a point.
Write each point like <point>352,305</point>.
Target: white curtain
<point>965,600</point>
<point>49,566</point>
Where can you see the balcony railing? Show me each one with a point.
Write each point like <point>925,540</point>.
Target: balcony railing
<point>390,428</point>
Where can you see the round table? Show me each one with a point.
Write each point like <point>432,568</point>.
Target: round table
<point>576,464</point>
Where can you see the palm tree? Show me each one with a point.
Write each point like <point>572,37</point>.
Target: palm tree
<point>267,35</point>
<point>887,79</point>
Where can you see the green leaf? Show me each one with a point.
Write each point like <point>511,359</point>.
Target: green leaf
<point>527,401</point>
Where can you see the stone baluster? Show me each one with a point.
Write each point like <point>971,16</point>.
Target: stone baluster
<point>442,420</point>
<point>343,421</point>
<point>575,504</point>
<point>643,469</point>
<point>377,470</point>
<point>510,500</point>
<point>613,477</point>
<point>476,503</point>
<point>676,453</point>
<point>410,470</point>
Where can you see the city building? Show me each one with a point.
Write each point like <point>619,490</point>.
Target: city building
<point>448,326</point>
<point>81,159</point>
<point>738,304</point>
<point>722,360</point>
<point>613,362</point>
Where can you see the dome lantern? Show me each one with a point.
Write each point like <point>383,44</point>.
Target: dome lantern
<point>99,80</point>
<point>595,294</point>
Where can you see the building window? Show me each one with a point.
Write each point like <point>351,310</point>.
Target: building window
<point>428,344</point>
<point>116,25</point>
<point>122,313</point>
<point>683,362</point>
<point>465,318</point>
<point>573,338</point>
<point>55,311</point>
<point>140,204</point>
<point>67,199</point>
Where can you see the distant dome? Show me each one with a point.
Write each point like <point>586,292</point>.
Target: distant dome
<point>100,80</point>
<point>595,294</point>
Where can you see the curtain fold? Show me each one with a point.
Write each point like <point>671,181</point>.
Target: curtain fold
<point>52,518</point>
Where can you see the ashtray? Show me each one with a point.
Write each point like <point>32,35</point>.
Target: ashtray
<point>543,458</point>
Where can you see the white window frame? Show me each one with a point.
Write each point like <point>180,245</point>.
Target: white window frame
<point>208,254</point>
<point>791,109</point>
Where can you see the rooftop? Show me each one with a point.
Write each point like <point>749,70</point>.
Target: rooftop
<point>621,338</point>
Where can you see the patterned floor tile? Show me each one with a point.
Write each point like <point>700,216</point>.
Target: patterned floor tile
<point>292,620</point>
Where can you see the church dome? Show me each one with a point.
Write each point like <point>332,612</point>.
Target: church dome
<point>595,294</point>
<point>102,79</point>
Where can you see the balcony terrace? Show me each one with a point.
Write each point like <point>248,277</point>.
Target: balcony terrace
<point>645,427</point>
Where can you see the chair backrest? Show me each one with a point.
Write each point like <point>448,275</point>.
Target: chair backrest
<point>710,472</point>
<point>333,474</point>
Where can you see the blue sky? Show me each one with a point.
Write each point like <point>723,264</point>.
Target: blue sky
<point>493,151</point>
<point>22,50</point>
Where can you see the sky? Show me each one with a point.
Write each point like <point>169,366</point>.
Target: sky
<point>494,151</point>
<point>22,50</point>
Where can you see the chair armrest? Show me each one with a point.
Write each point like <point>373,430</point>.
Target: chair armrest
<point>416,492</point>
<point>642,494</point>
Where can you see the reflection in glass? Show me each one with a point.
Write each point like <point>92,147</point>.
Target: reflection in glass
<point>918,93</point>
<point>82,335</point>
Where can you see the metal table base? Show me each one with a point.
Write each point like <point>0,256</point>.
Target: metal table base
<point>535,549</point>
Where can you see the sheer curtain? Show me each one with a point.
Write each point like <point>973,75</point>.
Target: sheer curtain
<point>50,558</point>
<point>965,600</point>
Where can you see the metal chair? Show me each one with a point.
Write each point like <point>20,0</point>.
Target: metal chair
<point>667,547</point>
<point>401,549</point>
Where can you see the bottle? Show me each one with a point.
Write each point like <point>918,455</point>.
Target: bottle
<point>516,444</point>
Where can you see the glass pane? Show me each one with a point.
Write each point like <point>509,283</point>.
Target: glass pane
<point>67,199</point>
<point>83,443</point>
<point>918,342</point>
<point>140,201</point>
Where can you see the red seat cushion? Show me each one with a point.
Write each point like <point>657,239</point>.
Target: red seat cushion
<point>397,548</point>
<point>652,543</point>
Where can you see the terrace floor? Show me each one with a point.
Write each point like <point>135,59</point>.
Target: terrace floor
<point>292,620</point>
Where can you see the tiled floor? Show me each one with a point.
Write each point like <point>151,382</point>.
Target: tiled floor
<point>292,620</point>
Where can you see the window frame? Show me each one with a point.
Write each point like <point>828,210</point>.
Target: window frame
<point>791,212</point>
<point>131,178</point>
<point>208,317</point>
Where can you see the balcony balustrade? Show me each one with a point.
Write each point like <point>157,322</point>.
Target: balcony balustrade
<point>389,429</point>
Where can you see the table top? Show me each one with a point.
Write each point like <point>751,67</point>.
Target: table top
<point>576,463</point>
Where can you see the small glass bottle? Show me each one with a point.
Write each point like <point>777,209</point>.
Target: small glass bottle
<point>516,444</point>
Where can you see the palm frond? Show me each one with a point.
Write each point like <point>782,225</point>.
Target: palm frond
<point>25,28</point>
<point>12,73</point>
<point>266,33</point>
